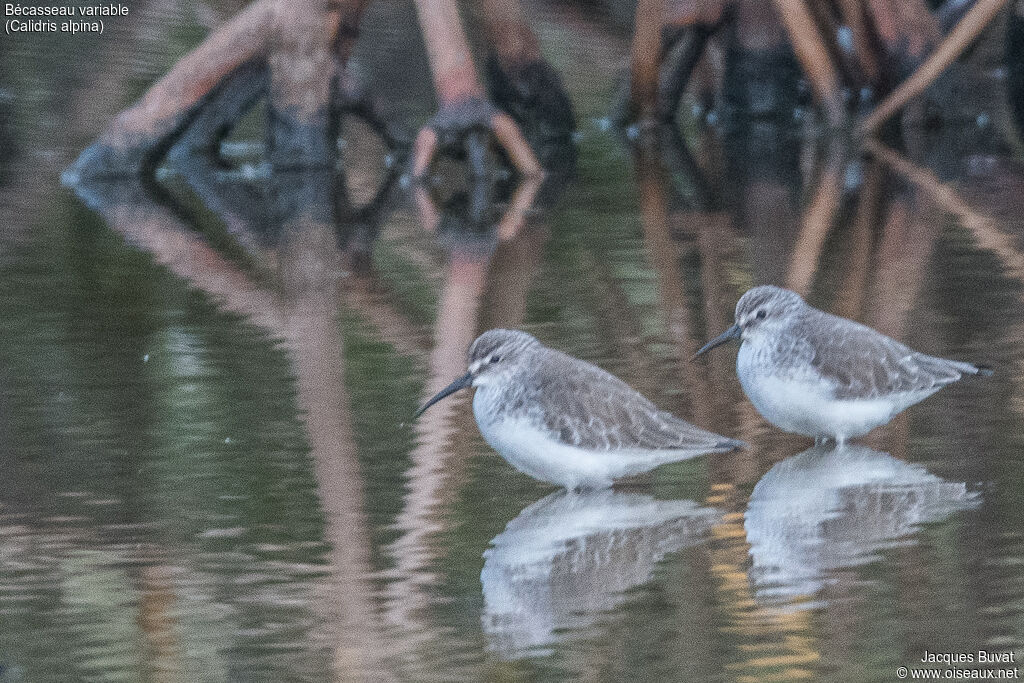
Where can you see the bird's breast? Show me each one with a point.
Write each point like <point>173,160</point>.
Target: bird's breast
<point>754,358</point>
<point>485,405</point>
<point>498,401</point>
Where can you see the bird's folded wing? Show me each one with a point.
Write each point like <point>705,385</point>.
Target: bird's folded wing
<point>590,408</point>
<point>863,363</point>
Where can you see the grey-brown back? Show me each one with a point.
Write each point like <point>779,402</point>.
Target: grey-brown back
<point>581,405</point>
<point>864,363</point>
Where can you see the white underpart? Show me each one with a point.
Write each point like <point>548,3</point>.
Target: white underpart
<point>807,406</point>
<point>532,451</point>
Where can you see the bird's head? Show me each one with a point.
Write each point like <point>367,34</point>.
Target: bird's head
<point>493,356</point>
<point>762,310</point>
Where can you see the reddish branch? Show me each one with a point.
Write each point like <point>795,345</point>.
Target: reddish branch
<point>646,58</point>
<point>462,107</point>
<point>958,40</point>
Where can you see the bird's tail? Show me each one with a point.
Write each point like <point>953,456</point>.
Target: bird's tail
<point>973,369</point>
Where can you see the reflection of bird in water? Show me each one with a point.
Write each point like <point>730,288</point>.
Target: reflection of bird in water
<point>565,421</point>
<point>816,374</point>
<point>830,508</point>
<point>568,558</point>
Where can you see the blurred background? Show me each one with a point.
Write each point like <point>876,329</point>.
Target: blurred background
<point>207,467</point>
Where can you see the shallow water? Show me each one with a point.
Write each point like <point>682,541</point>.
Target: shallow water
<point>209,471</point>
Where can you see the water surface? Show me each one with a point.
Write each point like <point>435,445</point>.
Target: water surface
<point>209,471</point>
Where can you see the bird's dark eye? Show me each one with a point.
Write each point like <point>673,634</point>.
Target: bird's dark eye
<point>760,315</point>
<point>494,358</point>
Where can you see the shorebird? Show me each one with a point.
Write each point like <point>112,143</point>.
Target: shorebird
<point>567,422</point>
<point>816,374</point>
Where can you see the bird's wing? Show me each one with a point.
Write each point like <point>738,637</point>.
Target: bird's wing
<point>582,405</point>
<point>864,363</point>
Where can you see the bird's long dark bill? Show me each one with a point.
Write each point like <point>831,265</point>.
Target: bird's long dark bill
<point>733,332</point>
<point>459,384</point>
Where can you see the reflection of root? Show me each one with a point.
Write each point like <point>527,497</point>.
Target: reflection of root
<point>682,50</point>
<point>355,99</point>
<point>465,125</point>
<point>533,94</point>
<point>682,53</point>
<point>357,228</point>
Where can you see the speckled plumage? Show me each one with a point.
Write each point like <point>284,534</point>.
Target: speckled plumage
<point>579,404</point>
<point>568,422</point>
<point>824,376</point>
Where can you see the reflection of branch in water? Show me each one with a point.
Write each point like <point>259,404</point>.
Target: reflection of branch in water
<point>158,622</point>
<point>663,254</point>
<point>515,262</point>
<point>307,324</point>
<point>985,229</point>
<point>817,220</point>
<point>236,205</point>
<point>567,560</point>
<point>853,292</point>
<point>468,229</point>
<point>470,212</point>
<point>908,238</point>
<point>776,641</point>
<point>764,191</point>
<point>429,477</point>
<point>359,226</point>
<point>720,395</point>
<point>715,391</point>
<point>762,186</point>
<point>244,214</point>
